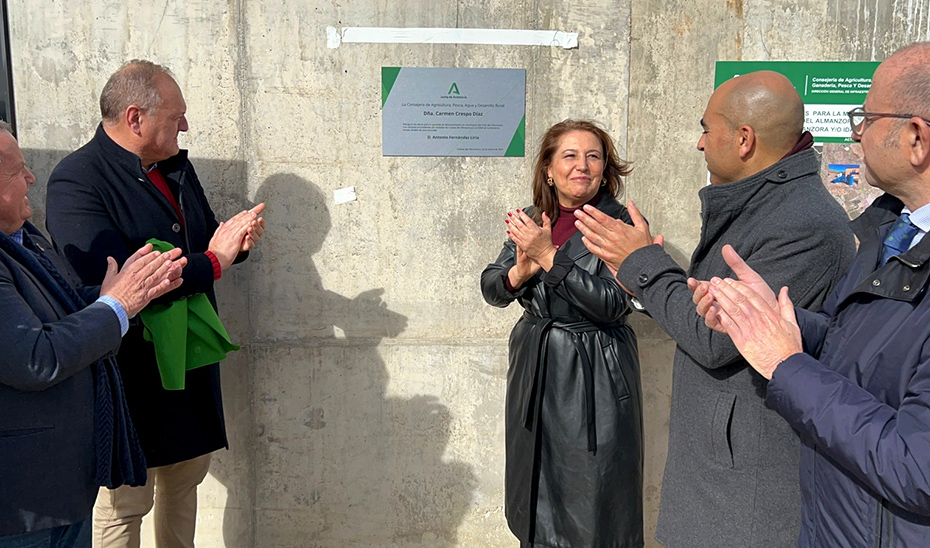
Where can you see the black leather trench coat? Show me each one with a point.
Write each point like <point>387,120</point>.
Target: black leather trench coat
<point>574,455</point>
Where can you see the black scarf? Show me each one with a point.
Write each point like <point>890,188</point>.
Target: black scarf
<point>119,456</point>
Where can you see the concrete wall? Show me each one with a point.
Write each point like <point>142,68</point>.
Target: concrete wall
<point>366,406</point>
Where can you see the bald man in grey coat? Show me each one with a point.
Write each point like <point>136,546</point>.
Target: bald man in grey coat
<point>731,478</point>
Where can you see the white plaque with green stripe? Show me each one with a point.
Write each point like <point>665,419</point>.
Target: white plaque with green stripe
<point>453,111</point>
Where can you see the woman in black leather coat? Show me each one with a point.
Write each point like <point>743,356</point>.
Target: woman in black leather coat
<point>574,413</point>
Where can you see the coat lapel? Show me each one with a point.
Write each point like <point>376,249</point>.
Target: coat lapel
<point>574,247</point>
<point>869,226</point>
<point>28,242</point>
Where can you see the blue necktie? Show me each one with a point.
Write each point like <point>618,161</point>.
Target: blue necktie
<point>899,239</point>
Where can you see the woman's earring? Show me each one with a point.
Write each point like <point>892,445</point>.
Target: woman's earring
<point>603,182</point>
<point>549,181</point>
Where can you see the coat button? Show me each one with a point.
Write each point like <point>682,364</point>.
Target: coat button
<point>907,288</point>
<point>643,278</point>
<point>782,174</point>
<point>176,227</point>
<point>876,283</point>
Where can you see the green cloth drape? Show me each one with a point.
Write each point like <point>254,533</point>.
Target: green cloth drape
<point>187,334</point>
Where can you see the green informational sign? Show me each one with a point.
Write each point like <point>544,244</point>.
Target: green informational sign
<point>829,90</point>
<point>453,112</point>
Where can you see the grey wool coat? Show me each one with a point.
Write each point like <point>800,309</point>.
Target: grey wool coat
<point>731,478</point>
<point>573,412</point>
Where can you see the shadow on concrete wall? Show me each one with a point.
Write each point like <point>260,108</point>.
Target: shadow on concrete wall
<point>320,454</point>
<point>338,461</point>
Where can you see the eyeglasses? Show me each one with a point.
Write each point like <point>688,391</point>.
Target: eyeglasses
<point>858,117</point>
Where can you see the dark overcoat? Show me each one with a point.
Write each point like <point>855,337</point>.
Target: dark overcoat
<point>731,472</point>
<point>47,459</point>
<point>574,449</point>
<point>100,203</point>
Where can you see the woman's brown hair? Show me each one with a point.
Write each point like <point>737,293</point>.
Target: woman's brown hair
<point>545,198</point>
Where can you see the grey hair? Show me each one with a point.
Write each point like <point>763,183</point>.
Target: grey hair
<point>133,84</point>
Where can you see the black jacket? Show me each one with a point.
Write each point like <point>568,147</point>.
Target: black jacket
<point>100,203</point>
<point>574,411</point>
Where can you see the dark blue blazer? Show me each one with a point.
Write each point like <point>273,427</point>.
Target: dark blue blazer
<point>860,398</point>
<point>47,398</point>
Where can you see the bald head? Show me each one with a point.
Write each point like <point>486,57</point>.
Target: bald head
<point>768,103</point>
<point>908,79</point>
<point>896,147</point>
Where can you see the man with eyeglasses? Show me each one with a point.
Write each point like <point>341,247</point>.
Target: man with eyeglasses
<point>858,118</point>
<point>731,474</point>
<point>854,379</point>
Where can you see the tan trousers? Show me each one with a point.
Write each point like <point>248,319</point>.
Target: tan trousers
<point>171,489</point>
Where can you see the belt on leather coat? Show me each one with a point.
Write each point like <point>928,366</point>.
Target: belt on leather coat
<point>531,395</point>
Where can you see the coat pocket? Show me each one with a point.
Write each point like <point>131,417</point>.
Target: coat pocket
<point>720,429</point>
<point>23,432</point>
<point>614,368</point>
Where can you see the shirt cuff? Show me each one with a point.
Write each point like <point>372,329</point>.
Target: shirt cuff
<point>119,310</point>
<point>217,269</point>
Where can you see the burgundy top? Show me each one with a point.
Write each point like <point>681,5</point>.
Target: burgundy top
<point>158,180</point>
<point>565,225</point>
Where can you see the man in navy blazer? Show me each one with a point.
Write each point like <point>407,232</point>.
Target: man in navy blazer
<point>63,429</point>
